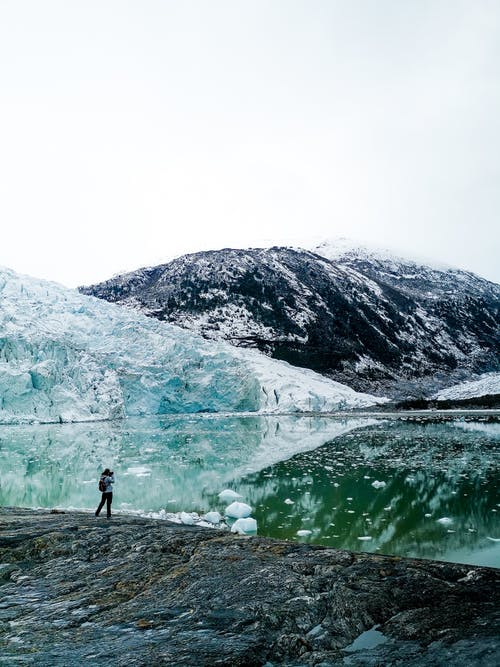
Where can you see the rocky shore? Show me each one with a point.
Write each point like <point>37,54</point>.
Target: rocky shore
<point>76,590</point>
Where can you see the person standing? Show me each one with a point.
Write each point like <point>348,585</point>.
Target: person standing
<point>106,481</point>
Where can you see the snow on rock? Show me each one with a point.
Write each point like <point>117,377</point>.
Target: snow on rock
<point>244,526</point>
<point>69,357</point>
<point>487,384</point>
<point>341,248</point>
<point>228,495</point>
<point>238,510</point>
<point>364,316</point>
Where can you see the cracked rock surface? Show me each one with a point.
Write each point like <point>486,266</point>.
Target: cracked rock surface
<point>76,590</point>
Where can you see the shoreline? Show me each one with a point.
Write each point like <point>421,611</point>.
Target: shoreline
<point>381,412</point>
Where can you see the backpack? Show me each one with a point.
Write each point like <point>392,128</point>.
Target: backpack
<point>102,485</point>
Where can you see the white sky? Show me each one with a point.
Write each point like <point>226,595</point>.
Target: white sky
<point>135,131</point>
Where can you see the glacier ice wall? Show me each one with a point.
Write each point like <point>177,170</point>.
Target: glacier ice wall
<point>487,384</point>
<point>68,357</point>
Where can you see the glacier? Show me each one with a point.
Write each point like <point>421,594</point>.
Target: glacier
<point>66,357</point>
<point>486,385</point>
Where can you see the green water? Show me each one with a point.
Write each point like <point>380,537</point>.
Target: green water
<point>439,497</point>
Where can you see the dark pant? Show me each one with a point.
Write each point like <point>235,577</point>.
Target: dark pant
<point>106,498</point>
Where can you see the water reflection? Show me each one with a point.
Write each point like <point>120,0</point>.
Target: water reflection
<point>173,463</point>
<point>353,483</point>
<point>437,495</point>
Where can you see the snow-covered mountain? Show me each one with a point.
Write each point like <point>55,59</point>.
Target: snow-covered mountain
<point>69,357</point>
<point>367,318</point>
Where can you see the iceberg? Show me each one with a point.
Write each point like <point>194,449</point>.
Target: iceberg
<point>212,517</point>
<point>238,510</point>
<point>66,357</point>
<point>244,526</point>
<point>228,495</point>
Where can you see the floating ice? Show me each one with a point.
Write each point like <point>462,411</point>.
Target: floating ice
<point>238,510</point>
<point>212,517</point>
<point>365,538</point>
<point>445,521</point>
<point>378,485</point>
<point>304,533</point>
<point>289,502</point>
<point>228,495</point>
<point>244,526</point>
<point>493,539</point>
<point>187,519</point>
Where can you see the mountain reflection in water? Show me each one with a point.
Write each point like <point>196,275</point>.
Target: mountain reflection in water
<point>439,497</point>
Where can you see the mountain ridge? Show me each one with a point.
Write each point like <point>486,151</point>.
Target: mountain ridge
<point>376,323</point>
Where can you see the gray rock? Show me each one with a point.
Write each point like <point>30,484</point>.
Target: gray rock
<point>79,590</point>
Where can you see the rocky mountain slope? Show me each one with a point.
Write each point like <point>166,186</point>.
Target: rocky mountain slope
<point>365,318</point>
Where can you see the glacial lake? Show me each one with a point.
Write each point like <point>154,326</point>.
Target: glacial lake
<point>421,487</point>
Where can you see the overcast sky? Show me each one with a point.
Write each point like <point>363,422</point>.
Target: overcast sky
<point>135,131</point>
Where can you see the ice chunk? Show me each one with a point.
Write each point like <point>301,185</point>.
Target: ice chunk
<point>228,495</point>
<point>238,510</point>
<point>445,521</point>
<point>304,533</point>
<point>378,485</point>
<point>364,538</point>
<point>212,517</point>
<point>187,519</point>
<point>244,526</point>
<point>289,502</point>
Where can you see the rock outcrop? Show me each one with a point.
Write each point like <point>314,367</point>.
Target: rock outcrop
<point>76,590</point>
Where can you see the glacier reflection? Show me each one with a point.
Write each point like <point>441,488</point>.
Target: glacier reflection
<point>172,463</point>
<point>299,473</point>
